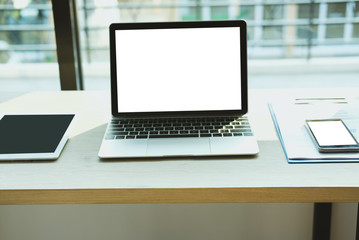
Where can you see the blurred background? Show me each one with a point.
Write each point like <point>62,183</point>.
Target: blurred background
<point>307,36</point>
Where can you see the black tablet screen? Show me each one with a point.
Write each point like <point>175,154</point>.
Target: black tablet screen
<point>32,133</point>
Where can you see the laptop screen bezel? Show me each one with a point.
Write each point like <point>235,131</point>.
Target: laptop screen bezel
<point>171,25</point>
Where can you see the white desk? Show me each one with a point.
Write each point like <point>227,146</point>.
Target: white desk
<point>79,176</point>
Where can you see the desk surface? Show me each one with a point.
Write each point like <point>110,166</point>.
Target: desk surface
<point>79,176</point>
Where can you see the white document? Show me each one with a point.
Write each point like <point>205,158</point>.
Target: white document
<point>289,119</point>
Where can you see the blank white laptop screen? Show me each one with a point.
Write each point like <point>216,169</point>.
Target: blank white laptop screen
<point>183,69</point>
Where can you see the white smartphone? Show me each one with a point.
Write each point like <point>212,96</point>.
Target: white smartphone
<point>332,135</point>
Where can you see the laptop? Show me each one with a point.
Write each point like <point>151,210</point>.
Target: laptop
<point>178,89</point>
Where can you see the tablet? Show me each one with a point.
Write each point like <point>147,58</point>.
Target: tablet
<point>34,136</point>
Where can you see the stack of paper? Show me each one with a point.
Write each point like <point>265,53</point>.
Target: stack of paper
<point>289,120</point>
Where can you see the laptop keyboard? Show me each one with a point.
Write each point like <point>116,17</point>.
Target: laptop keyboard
<point>177,128</point>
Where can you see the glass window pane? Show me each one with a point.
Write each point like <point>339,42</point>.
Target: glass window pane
<point>272,32</point>
<point>305,11</point>
<point>356,30</point>
<point>306,32</point>
<point>188,13</point>
<point>335,31</point>
<point>276,29</point>
<point>272,12</point>
<point>27,46</point>
<point>250,33</point>
<point>246,12</point>
<point>336,10</point>
<point>219,13</point>
<point>356,9</point>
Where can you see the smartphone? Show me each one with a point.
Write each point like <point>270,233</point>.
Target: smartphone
<point>332,135</point>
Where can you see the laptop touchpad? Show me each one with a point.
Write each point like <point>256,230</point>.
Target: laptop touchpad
<point>178,146</point>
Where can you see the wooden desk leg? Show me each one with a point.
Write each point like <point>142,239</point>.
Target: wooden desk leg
<point>321,221</point>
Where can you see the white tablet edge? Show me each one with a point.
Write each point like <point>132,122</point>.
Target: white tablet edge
<point>42,156</point>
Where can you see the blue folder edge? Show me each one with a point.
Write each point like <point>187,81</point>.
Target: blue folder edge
<point>274,118</point>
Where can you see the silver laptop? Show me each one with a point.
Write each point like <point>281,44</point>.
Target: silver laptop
<point>178,89</point>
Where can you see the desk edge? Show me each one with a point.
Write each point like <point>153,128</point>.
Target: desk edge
<point>180,195</point>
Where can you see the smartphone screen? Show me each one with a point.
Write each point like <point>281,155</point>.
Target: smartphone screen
<point>331,133</point>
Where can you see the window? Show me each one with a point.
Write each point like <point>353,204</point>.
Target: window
<point>336,10</point>
<point>219,13</point>
<point>27,46</point>
<point>307,32</point>
<point>272,32</point>
<point>272,12</point>
<point>246,12</point>
<point>277,29</point>
<point>356,9</point>
<point>356,30</point>
<point>334,31</point>
<point>307,11</point>
<point>188,14</point>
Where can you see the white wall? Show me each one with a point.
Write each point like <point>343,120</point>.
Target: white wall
<point>157,221</point>
<point>171,221</point>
